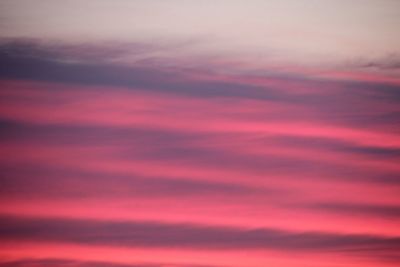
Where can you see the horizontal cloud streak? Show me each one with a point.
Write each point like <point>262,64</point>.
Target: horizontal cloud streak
<point>175,146</point>
<point>331,100</point>
<point>49,182</point>
<point>75,263</point>
<point>22,65</point>
<point>392,212</point>
<point>153,234</point>
<point>63,263</point>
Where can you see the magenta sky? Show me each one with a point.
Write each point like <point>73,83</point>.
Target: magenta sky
<point>199,133</point>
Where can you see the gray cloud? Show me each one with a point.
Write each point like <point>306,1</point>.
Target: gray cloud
<point>339,102</point>
<point>33,61</point>
<point>388,62</point>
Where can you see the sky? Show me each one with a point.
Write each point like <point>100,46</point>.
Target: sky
<point>241,133</point>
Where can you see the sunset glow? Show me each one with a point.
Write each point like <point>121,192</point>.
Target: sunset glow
<point>225,133</point>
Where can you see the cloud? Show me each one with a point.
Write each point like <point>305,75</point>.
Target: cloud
<point>47,179</point>
<point>368,210</point>
<point>100,64</point>
<point>337,101</point>
<point>136,144</point>
<point>73,53</point>
<point>185,236</point>
<point>76,263</point>
<point>66,263</point>
<point>33,61</point>
<point>49,182</point>
<point>208,148</point>
<point>326,144</point>
<point>389,62</point>
<point>158,149</point>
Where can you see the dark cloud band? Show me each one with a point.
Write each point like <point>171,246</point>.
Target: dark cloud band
<point>155,234</point>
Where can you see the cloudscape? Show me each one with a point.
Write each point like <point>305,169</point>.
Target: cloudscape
<point>188,133</point>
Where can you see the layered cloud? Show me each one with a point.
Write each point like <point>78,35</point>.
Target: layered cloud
<point>147,234</point>
<point>135,152</point>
